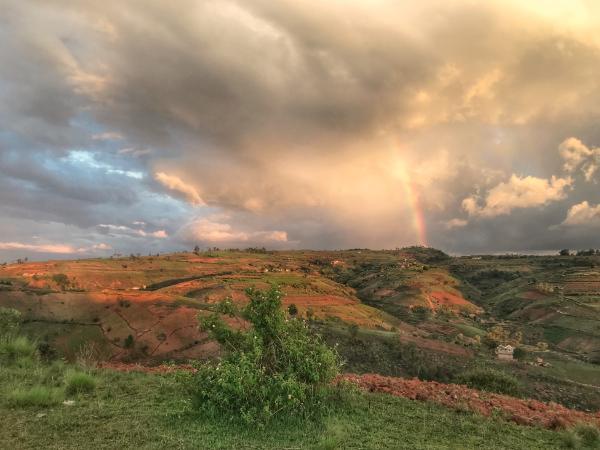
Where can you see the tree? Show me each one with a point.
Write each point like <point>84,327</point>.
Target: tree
<point>564,252</point>
<point>196,250</point>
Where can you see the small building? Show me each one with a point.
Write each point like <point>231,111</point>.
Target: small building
<point>505,352</point>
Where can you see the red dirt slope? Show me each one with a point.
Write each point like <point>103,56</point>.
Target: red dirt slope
<point>522,411</point>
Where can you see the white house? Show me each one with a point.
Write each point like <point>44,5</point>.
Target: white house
<point>505,352</point>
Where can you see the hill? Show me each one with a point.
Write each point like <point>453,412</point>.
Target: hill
<point>407,312</point>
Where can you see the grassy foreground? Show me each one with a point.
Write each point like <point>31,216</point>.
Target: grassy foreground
<point>136,410</point>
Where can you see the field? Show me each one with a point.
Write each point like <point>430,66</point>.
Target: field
<point>136,410</point>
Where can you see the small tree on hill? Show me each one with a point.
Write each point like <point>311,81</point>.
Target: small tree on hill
<point>564,252</point>
<point>276,368</point>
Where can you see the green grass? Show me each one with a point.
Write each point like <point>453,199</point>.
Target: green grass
<point>130,410</point>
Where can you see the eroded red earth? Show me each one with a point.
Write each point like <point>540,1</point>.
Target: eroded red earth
<point>522,411</point>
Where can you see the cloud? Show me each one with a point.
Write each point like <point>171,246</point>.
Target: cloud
<point>577,155</point>
<point>179,187</point>
<point>212,231</point>
<point>583,214</point>
<point>455,223</point>
<point>125,230</point>
<point>517,193</point>
<point>40,248</point>
<point>342,133</point>
<point>107,136</point>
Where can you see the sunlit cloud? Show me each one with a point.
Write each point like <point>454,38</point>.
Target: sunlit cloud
<point>583,214</point>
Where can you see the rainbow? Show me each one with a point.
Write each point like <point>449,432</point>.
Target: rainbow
<point>414,204</point>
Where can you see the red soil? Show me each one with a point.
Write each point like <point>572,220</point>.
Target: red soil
<point>442,298</point>
<point>521,411</point>
<point>533,295</point>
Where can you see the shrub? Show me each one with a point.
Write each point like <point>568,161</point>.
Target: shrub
<point>293,310</point>
<point>10,321</point>
<point>18,348</point>
<point>520,353</point>
<point>79,383</point>
<point>129,341</point>
<point>37,396</point>
<point>277,368</point>
<point>61,280</point>
<point>491,380</point>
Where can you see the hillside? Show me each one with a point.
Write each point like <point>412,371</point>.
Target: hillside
<point>408,312</point>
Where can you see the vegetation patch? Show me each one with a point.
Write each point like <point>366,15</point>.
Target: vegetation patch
<point>34,397</point>
<point>487,379</point>
<point>79,383</point>
<point>276,369</point>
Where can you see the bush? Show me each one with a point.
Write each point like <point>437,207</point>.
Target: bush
<point>16,349</point>
<point>490,380</point>
<point>79,383</point>
<point>61,280</point>
<point>520,353</point>
<point>275,369</point>
<point>10,321</point>
<point>129,341</point>
<point>37,396</point>
<point>293,310</point>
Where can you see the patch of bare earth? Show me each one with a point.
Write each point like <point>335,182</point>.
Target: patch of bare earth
<point>521,411</point>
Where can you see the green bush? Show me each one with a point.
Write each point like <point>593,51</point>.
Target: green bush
<point>491,380</point>
<point>520,353</point>
<point>15,349</point>
<point>37,396</point>
<point>10,321</point>
<point>79,383</point>
<point>278,368</point>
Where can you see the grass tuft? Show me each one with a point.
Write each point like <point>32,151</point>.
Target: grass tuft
<point>37,396</point>
<point>79,383</point>
<point>17,349</point>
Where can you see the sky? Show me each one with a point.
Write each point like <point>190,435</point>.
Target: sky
<point>150,126</point>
